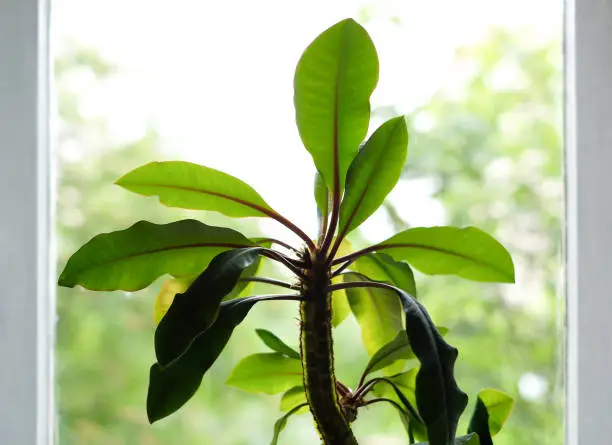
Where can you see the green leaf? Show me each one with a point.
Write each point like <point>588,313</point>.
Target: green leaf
<point>321,194</point>
<point>276,344</point>
<point>171,387</point>
<point>192,312</point>
<point>292,397</point>
<point>373,173</point>
<point>340,305</point>
<point>378,313</point>
<point>269,373</point>
<point>133,258</point>
<point>397,349</point>
<point>439,400</point>
<point>281,423</point>
<point>381,267</point>
<point>333,82</point>
<point>191,186</point>
<point>340,308</point>
<point>467,252</point>
<point>470,439</point>
<point>492,409</point>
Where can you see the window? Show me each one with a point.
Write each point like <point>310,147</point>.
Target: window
<point>25,252</point>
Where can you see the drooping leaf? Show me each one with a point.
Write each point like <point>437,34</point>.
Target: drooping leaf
<point>133,258</point>
<point>373,173</point>
<point>492,409</point>
<point>269,373</point>
<point>378,312</point>
<point>466,252</point>
<point>292,397</point>
<point>321,194</point>
<point>174,286</point>
<point>192,312</point>
<point>281,423</point>
<point>192,186</point>
<point>397,349</point>
<point>333,82</point>
<point>470,439</point>
<point>439,400</point>
<point>381,267</point>
<point>171,387</point>
<point>276,344</point>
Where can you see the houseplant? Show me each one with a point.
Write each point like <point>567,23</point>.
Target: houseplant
<point>212,267</point>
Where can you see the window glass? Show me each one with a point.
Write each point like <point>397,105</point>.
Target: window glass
<point>211,82</point>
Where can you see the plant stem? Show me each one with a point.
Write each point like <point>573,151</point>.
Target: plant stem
<point>269,281</point>
<point>318,357</point>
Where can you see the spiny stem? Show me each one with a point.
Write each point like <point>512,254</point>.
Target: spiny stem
<point>318,358</point>
<point>269,281</point>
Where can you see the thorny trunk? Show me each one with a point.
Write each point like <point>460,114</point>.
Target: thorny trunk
<point>318,358</point>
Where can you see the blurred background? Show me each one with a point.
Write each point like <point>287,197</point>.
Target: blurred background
<point>211,82</point>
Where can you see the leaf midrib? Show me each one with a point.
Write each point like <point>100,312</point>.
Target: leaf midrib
<point>441,250</point>
<point>252,205</point>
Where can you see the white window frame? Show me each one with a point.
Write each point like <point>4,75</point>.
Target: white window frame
<point>589,221</point>
<point>27,296</point>
<point>26,254</point>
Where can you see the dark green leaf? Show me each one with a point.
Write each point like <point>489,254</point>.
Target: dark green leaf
<point>133,258</point>
<point>276,344</point>
<point>378,313</point>
<point>397,349</point>
<point>467,252</point>
<point>171,387</point>
<point>381,267</point>
<point>174,286</point>
<point>439,400</point>
<point>192,186</point>
<point>269,373</point>
<point>192,312</point>
<point>282,422</point>
<point>492,409</point>
<point>292,397</point>
<point>333,83</point>
<point>373,173</point>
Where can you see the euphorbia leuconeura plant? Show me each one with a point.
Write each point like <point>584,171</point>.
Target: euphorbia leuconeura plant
<point>212,266</point>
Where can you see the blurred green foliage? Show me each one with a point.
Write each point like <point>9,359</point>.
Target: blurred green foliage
<point>488,144</point>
